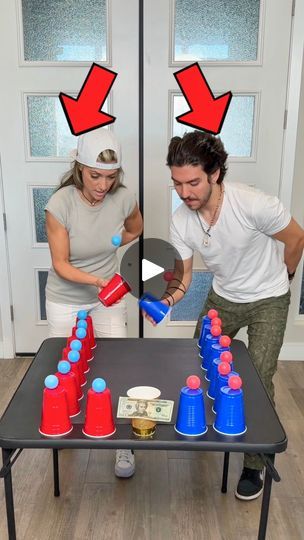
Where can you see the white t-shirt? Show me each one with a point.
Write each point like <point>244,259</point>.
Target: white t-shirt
<point>246,262</point>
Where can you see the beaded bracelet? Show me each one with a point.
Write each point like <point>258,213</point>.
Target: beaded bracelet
<point>179,281</point>
<point>166,292</point>
<point>177,289</point>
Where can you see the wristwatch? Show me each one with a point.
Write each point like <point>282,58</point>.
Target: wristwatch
<point>291,276</point>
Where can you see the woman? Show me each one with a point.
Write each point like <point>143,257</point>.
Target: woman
<point>90,207</point>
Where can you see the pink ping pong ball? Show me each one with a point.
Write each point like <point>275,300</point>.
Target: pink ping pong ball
<point>226,356</point>
<point>225,341</point>
<point>193,382</point>
<point>212,313</point>
<point>216,321</point>
<point>215,330</point>
<point>235,382</point>
<point>224,368</point>
<point>168,275</point>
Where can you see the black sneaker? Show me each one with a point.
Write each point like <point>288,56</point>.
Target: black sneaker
<point>250,484</point>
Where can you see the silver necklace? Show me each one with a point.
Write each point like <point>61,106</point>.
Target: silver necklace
<point>207,235</point>
<point>91,203</point>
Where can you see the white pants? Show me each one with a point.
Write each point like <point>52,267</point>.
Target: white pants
<point>107,321</point>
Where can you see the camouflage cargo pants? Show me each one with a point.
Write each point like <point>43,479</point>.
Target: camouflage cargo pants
<point>266,322</point>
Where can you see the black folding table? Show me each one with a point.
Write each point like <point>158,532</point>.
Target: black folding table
<point>124,363</point>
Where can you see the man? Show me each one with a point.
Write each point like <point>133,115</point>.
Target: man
<point>235,228</point>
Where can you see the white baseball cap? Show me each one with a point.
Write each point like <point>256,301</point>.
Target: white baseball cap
<point>92,143</point>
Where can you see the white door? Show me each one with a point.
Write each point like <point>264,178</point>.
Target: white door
<point>47,48</point>
<point>243,47</point>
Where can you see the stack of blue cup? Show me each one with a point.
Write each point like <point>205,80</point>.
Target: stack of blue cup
<point>206,325</point>
<point>214,374</point>
<point>215,352</point>
<point>230,417</point>
<point>221,380</point>
<point>205,328</point>
<point>191,419</point>
<point>210,340</point>
<point>216,349</point>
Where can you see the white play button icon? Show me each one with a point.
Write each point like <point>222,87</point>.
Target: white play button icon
<point>150,270</point>
<point>146,269</point>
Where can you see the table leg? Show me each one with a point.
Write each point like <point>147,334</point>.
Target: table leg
<point>265,502</point>
<point>56,473</point>
<point>225,472</point>
<point>9,499</point>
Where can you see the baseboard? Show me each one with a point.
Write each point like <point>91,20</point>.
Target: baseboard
<point>292,351</point>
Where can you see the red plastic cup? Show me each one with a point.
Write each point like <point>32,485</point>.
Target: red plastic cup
<point>65,353</point>
<point>75,369</point>
<point>90,331</point>
<point>114,291</point>
<point>55,419</point>
<point>85,344</point>
<point>99,420</point>
<point>68,382</point>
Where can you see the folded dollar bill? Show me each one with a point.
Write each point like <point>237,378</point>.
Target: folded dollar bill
<point>159,410</point>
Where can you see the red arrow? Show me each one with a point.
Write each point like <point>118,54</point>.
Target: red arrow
<point>83,113</point>
<point>206,112</point>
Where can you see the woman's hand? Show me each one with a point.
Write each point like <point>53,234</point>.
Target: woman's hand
<point>101,283</point>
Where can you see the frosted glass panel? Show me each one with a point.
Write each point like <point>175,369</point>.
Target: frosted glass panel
<point>41,196</point>
<point>64,30</point>
<point>175,201</point>
<point>42,277</point>
<point>189,308</point>
<point>216,30</point>
<point>49,132</point>
<point>237,129</point>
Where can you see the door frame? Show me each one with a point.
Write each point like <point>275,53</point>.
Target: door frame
<point>7,345</point>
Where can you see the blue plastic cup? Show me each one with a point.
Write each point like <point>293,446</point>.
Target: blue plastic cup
<point>216,351</point>
<point>153,307</point>
<point>230,417</point>
<point>191,419</point>
<point>213,377</point>
<point>206,325</point>
<point>221,380</point>
<point>206,352</point>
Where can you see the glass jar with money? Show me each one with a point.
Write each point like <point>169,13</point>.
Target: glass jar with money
<point>142,426</point>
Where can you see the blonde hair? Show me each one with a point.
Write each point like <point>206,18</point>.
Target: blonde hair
<point>74,176</point>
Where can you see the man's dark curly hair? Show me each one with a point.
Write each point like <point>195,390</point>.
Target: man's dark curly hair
<point>198,148</point>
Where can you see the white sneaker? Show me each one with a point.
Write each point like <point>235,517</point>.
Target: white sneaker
<point>125,463</point>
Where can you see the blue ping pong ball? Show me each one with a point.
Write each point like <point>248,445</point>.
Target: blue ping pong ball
<point>76,345</point>
<point>82,314</point>
<point>73,356</point>
<point>64,367</point>
<point>116,240</point>
<point>51,382</point>
<point>81,333</point>
<point>82,324</point>
<point>99,385</point>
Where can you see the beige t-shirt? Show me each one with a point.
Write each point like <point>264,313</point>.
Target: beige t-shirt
<point>90,231</point>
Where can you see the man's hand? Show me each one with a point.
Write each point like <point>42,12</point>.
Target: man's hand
<point>293,238</point>
<point>150,319</point>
